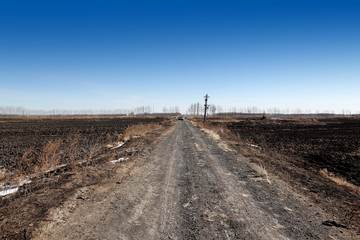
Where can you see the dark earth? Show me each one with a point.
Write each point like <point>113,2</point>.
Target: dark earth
<point>192,188</point>
<point>180,184</point>
<point>17,135</point>
<point>22,212</point>
<point>298,149</point>
<point>332,143</point>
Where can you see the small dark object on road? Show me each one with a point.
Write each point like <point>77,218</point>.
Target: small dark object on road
<point>333,224</point>
<point>180,118</point>
<point>83,197</point>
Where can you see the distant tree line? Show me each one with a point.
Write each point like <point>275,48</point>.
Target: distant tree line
<point>142,110</point>
<point>196,109</point>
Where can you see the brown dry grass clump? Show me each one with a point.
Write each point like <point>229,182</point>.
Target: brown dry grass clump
<point>215,131</point>
<point>50,156</point>
<point>26,162</point>
<point>341,181</point>
<point>139,130</point>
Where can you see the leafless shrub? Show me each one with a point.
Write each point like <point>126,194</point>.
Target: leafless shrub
<point>72,150</point>
<point>94,149</point>
<point>49,157</point>
<point>27,162</point>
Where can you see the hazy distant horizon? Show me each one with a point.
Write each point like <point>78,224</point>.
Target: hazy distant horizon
<point>292,55</point>
<point>21,111</point>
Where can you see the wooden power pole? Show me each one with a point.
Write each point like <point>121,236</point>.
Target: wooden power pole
<point>206,106</point>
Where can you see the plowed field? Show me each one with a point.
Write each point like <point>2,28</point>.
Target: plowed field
<point>331,143</point>
<point>19,135</point>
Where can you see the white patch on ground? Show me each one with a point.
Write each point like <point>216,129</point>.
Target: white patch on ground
<point>56,167</point>
<point>198,147</point>
<point>186,205</point>
<point>288,209</point>
<point>9,189</point>
<point>26,182</point>
<point>252,145</point>
<point>118,146</point>
<point>119,160</point>
<point>278,226</point>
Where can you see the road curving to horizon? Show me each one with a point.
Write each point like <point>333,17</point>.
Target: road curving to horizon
<point>191,188</point>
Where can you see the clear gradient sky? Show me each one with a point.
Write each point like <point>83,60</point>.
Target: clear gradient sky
<point>122,54</point>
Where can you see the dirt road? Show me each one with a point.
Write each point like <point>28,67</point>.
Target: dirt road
<point>190,188</point>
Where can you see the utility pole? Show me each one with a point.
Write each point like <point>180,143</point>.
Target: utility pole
<point>206,105</point>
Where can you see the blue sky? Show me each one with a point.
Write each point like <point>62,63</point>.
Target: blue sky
<point>123,54</point>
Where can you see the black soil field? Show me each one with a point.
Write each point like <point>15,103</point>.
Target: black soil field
<point>331,143</point>
<point>191,188</point>
<point>317,157</point>
<point>31,135</point>
<point>22,212</point>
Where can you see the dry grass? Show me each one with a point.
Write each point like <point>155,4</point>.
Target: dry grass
<point>340,181</point>
<point>140,130</point>
<point>72,149</point>
<point>50,156</point>
<point>215,131</point>
<point>219,131</point>
<point>26,162</point>
<point>94,149</point>
<point>260,169</point>
<point>72,152</point>
<point>3,173</point>
<point>212,134</point>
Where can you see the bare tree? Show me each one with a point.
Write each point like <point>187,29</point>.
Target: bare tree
<point>213,109</point>
<point>177,110</point>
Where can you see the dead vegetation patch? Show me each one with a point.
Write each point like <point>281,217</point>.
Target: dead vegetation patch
<point>56,171</point>
<point>275,145</point>
<point>139,130</point>
<point>214,132</point>
<point>341,181</point>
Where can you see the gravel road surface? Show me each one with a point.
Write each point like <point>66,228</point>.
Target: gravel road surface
<point>191,188</point>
